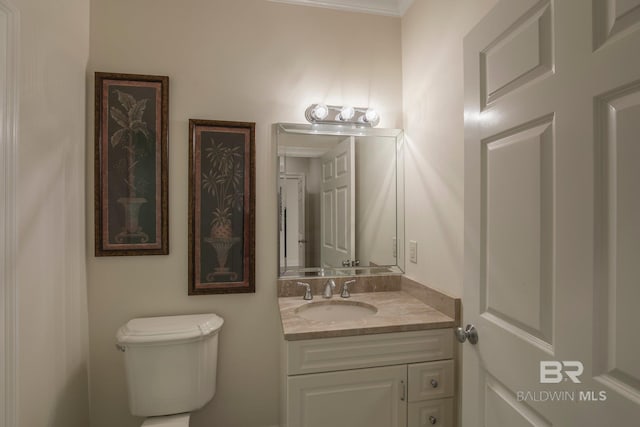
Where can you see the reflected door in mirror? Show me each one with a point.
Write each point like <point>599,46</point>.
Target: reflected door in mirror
<point>337,206</point>
<point>293,230</point>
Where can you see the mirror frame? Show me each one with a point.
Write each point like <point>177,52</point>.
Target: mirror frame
<point>340,130</point>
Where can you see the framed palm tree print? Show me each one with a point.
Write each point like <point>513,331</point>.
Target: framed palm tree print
<point>221,207</point>
<point>131,148</point>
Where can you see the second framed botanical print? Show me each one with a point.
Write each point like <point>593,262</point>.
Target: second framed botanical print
<point>221,207</point>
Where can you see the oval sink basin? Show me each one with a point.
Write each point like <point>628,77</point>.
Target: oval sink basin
<point>326,311</point>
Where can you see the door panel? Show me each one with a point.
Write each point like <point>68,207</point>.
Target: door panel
<point>503,409</point>
<point>613,19</point>
<point>328,221</point>
<point>619,238</point>
<point>370,397</point>
<point>520,54</point>
<point>552,212</point>
<point>517,250</point>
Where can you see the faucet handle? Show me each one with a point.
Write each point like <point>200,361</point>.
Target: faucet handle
<point>345,288</point>
<point>307,295</point>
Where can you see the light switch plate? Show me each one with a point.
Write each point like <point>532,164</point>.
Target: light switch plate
<point>413,251</point>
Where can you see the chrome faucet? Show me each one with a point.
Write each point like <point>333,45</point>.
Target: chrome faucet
<point>328,288</point>
<point>345,288</point>
<point>307,295</point>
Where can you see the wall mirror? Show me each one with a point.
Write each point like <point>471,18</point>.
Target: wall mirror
<point>340,200</point>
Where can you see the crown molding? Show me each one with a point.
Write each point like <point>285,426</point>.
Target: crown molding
<point>403,6</point>
<point>376,7</point>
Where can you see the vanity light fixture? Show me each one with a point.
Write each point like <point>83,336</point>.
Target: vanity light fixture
<point>341,115</point>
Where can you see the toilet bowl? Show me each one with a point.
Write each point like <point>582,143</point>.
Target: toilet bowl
<point>171,365</point>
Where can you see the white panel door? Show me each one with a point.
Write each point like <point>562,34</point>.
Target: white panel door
<point>4,42</point>
<point>9,28</point>
<point>373,397</point>
<point>338,205</point>
<point>552,214</point>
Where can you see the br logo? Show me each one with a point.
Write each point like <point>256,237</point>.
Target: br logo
<point>553,372</point>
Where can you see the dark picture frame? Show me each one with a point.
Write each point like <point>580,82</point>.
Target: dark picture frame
<point>131,164</point>
<point>221,207</point>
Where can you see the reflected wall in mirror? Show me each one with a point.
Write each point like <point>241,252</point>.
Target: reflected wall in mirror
<point>340,200</point>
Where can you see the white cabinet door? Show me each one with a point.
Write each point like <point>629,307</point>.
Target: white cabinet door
<point>374,397</point>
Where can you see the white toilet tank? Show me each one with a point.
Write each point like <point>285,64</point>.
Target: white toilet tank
<point>170,362</point>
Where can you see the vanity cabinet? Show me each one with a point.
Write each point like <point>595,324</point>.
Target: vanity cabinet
<point>398,379</point>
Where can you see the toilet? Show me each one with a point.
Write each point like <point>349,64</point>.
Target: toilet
<point>170,365</point>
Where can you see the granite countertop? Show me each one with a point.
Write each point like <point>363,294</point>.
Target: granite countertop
<point>398,311</point>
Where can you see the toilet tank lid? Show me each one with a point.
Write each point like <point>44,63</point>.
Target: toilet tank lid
<point>148,330</point>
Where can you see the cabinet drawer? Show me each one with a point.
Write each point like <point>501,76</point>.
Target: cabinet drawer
<point>432,380</point>
<point>365,351</point>
<point>438,413</point>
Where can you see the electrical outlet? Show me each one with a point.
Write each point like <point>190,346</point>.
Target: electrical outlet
<point>395,248</point>
<point>413,251</point>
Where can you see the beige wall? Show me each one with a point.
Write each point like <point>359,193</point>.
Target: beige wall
<point>248,60</point>
<point>50,263</point>
<point>432,78</point>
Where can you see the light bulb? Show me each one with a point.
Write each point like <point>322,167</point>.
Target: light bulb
<point>346,113</point>
<point>371,115</point>
<point>320,112</point>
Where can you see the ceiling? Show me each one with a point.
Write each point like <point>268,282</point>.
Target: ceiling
<point>377,7</point>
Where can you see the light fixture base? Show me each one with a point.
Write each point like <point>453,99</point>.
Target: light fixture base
<point>339,115</point>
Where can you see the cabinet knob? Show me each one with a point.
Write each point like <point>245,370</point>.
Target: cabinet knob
<point>434,383</point>
<point>433,420</point>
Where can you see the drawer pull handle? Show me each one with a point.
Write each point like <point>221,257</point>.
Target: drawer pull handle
<point>403,391</point>
<point>434,383</point>
<point>433,420</point>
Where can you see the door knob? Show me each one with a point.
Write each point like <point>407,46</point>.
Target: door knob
<point>346,263</point>
<point>469,333</point>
